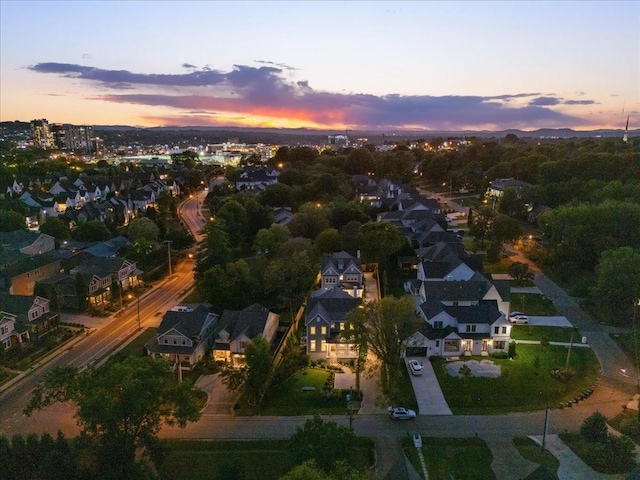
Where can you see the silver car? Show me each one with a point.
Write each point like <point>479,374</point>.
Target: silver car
<point>401,413</point>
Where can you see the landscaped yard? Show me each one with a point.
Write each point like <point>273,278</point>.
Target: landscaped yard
<point>533,304</point>
<point>136,347</point>
<point>552,334</point>
<point>463,458</point>
<point>289,398</point>
<point>259,460</point>
<point>525,383</point>
<point>499,267</point>
<point>532,451</point>
<point>21,358</point>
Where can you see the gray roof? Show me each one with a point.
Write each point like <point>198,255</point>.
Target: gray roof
<point>461,291</point>
<point>17,239</point>
<point>484,312</point>
<point>249,321</point>
<point>19,305</point>
<point>332,304</point>
<point>340,261</point>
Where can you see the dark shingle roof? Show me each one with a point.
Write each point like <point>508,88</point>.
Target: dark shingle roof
<point>249,321</point>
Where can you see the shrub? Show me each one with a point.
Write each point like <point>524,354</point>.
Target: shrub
<point>629,426</point>
<point>512,349</point>
<point>594,428</point>
<point>500,355</point>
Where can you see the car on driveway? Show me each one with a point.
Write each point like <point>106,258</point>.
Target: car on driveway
<point>401,413</point>
<point>415,367</point>
<point>518,318</point>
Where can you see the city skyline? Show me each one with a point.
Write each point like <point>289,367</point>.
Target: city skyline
<point>356,65</point>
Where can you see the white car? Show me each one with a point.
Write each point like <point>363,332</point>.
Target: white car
<point>401,413</point>
<point>415,367</point>
<point>518,318</point>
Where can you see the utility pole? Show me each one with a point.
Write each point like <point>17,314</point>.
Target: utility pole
<point>168,242</point>
<point>566,367</point>
<point>635,341</point>
<point>546,426</point>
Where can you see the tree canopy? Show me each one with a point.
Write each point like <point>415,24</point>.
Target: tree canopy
<point>121,406</point>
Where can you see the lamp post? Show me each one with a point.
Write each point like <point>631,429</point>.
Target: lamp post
<point>138,307</point>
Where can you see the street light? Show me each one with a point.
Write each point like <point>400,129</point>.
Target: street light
<point>138,306</point>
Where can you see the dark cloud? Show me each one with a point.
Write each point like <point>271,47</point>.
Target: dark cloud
<point>188,66</point>
<point>544,102</point>
<point>265,92</point>
<point>579,102</point>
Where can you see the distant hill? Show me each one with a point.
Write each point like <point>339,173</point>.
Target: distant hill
<point>294,136</point>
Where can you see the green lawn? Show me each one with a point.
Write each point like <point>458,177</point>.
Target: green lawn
<point>533,304</point>
<point>289,398</point>
<point>463,458</point>
<point>587,453</point>
<point>525,383</point>
<point>259,460</point>
<point>533,452</point>
<point>499,267</point>
<point>136,347</point>
<point>471,201</point>
<point>553,334</point>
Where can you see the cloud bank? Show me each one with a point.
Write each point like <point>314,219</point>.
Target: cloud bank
<point>265,94</point>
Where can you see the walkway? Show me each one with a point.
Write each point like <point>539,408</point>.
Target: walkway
<point>571,466</point>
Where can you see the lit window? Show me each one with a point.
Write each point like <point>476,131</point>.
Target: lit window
<point>312,330</point>
<point>312,346</point>
<point>323,330</point>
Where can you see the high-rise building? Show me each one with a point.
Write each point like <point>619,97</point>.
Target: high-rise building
<point>58,135</point>
<point>80,138</point>
<point>41,134</point>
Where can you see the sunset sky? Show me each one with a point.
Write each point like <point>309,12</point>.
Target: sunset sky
<point>358,65</point>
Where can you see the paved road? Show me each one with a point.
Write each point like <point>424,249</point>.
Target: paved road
<point>191,213</point>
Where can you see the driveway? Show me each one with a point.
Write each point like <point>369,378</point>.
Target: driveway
<point>550,322</point>
<point>220,401</point>
<point>428,393</point>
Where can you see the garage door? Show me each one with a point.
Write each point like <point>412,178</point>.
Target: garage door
<point>417,352</point>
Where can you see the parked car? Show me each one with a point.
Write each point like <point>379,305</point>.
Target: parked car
<point>415,367</point>
<point>518,318</point>
<point>401,413</point>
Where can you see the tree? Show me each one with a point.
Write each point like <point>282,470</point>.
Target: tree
<point>379,241</point>
<point>504,229</point>
<point>594,428</point>
<point>10,220</point>
<point>617,288</point>
<point>56,228</point>
<point>520,272</point>
<point>383,327</point>
<point>251,378</point>
<point>121,406</point>
<point>290,278</point>
<point>214,250</point>
<point>92,231</point>
<point>231,286</point>
<point>269,240</point>
<point>328,241</point>
<point>480,223</point>
<point>309,221</point>
<point>325,442</point>
<point>143,228</point>
<point>233,218</point>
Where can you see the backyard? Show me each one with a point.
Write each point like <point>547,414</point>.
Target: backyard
<point>552,334</point>
<point>525,383</point>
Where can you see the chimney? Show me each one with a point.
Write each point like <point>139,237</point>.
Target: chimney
<point>358,254</point>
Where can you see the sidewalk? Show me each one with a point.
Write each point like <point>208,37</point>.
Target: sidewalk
<point>571,466</point>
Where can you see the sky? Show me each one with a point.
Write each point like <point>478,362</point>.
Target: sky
<point>417,65</point>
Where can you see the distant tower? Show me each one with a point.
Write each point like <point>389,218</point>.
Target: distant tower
<point>625,138</point>
<point>41,134</point>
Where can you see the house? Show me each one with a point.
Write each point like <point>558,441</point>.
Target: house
<point>498,186</point>
<point>31,243</point>
<point>24,318</point>
<point>184,335</point>
<point>256,179</point>
<point>20,277</point>
<point>452,330</point>
<point>238,327</point>
<point>343,270</point>
<point>324,322</point>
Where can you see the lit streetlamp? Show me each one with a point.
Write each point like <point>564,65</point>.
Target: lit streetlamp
<point>138,307</point>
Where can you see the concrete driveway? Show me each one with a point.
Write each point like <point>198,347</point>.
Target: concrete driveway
<point>220,401</point>
<point>428,393</point>
<point>550,322</point>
